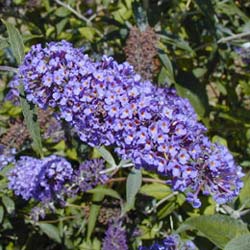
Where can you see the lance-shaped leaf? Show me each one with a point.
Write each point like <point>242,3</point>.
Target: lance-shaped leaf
<point>94,211</point>
<point>29,110</point>
<point>133,185</point>
<point>16,42</point>
<point>51,231</point>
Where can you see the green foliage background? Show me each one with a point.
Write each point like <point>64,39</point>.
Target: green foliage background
<point>196,54</point>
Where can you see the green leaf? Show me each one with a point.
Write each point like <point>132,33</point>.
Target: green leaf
<point>193,98</point>
<point>107,156</point>
<point>29,37</point>
<point>61,25</point>
<point>156,190</point>
<point>8,203</point>
<point>171,205</point>
<point>245,191</point>
<point>177,43</point>
<point>229,8</point>
<point>93,245</point>
<point>1,214</point>
<point>133,185</point>
<point>220,140</point>
<point>51,231</point>
<point>88,33</point>
<point>166,62</point>
<point>4,43</point>
<point>94,211</point>
<point>16,41</point>
<point>62,12</point>
<point>166,210</point>
<point>29,112</point>
<point>188,86</point>
<point>219,229</point>
<point>105,191</point>
<point>30,117</point>
<point>241,243</point>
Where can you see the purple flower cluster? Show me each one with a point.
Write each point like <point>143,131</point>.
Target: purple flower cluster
<point>88,176</point>
<point>108,104</point>
<point>45,72</point>
<point>171,242</point>
<point>115,237</point>
<point>210,169</point>
<point>7,155</point>
<point>42,180</point>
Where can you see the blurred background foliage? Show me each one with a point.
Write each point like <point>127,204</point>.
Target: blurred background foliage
<point>200,47</point>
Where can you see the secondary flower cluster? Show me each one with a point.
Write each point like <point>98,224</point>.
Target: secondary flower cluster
<point>42,180</point>
<point>53,177</point>
<point>171,242</point>
<point>115,237</point>
<point>87,176</point>
<point>108,104</point>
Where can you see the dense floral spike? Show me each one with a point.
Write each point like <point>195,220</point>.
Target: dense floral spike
<point>7,155</point>
<point>88,176</point>
<point>172,242</point>
<point>108,104</point>
<point>115,237</point>
<point>42,180</point>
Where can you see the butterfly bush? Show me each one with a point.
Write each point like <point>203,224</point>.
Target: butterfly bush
<point>40,179</point>
<point>107,103</point>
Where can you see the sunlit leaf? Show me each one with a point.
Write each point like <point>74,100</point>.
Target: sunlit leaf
<point>219,229</point>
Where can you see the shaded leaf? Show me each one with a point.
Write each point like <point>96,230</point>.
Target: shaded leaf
<point>29,37</point>
<point>94,211</point>
<point>1,214</point>
<point>105,191</point>
<point>8,203</point>
<point>140,15</point>
<point>30,116</point>
<point>245,191</point>
<point>207,9</point>
<point>188,86</point>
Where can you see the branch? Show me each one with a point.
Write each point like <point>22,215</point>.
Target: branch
<point>8,68</point>
<point>79,15</point>
<point>233,37</point>
<point>120,179</point>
